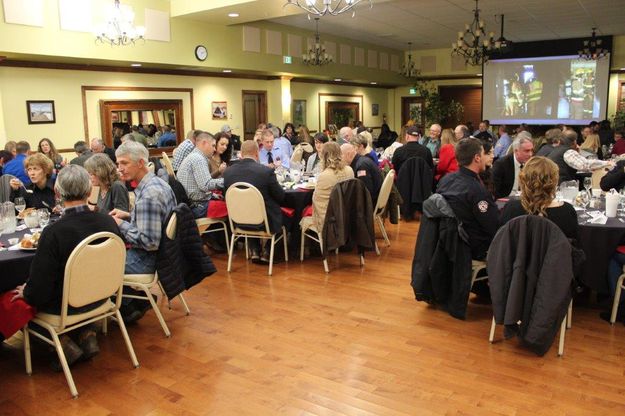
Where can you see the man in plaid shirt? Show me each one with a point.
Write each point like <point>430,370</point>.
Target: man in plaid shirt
<point>195,176</point>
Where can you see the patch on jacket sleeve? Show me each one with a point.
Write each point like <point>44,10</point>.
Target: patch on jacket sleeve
<point>361,173</point>
<point>482,206</point>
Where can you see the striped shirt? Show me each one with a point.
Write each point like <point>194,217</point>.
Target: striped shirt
<point>154,201</point>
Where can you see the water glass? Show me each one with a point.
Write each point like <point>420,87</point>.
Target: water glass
<point>583,198</point>
<point>44,217</point>
<point>20,204</point>
<point>587,183</point>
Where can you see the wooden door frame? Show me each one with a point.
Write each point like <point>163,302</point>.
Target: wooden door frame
<point>107,106</point>
<point>262,103</point>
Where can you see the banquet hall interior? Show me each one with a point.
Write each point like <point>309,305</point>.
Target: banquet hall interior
<point>301,341</point>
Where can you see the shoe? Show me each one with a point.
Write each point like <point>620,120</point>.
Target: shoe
<point>89,344</point>
<point>72,351</point>
<point>254,256</point>
<point>264,259</point>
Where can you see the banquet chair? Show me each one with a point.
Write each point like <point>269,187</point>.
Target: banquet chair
<point>597,174</point>
<point>476,267</point>
<point>145,283</point>
<point>309,229</point>
<point>131,200</point>
<point>204,224</point>
<point>166,161</point>
<point>248,219</point>
<point>380,206</point>
<point>94,271</point>
<point>620,285</point>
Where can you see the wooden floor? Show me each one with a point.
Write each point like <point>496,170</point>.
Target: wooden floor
<point>352,342</point>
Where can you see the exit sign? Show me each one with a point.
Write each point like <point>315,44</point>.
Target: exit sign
<point>287,59</point>
<point>413,91</point>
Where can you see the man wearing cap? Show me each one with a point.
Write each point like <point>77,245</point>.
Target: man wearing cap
<point>411,149</point>
<point>235,140</point>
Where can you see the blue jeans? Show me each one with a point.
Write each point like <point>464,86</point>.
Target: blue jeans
<point>200,209</point>
<point>140,261</point>
<point>615,269</point>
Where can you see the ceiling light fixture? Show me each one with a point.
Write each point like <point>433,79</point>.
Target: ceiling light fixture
<point>473,43</point>
<point>323,7</point>
<point>316,55</point>
<point>233,14</point>
<point>409,69</point>
<point>503,45</point>
<point>592,49</point>
<point>119,28</point>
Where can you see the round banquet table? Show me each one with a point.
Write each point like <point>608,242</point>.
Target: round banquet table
<point>599,242</point>
<point>15,264</point>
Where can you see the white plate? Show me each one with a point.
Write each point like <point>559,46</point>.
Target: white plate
<point>27,249</point>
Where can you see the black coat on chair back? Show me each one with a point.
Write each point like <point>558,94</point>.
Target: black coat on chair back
<point>414,182</point>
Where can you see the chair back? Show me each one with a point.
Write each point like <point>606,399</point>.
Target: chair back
<point>385,192</point>
<point>131,200</point>
<point>168,165</point>
<point>94,271</point>
<point>596,177</point>
<point>246,206</point>
<point>170,229</point>
<point>93,197</point>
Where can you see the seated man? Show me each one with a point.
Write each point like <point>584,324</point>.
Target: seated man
<point>470,200</point>
<point>433,140</point>
<point>98,146</point>
<point>83,151</point>
<point>501,147</point>
<point>364,169</point>
<point>195,176</point>
<point>44,288</point>
<point>569,161</point>
<point>506,170</point>
<point>142,228</point>
<point>264,179</point>
<point>272,154</point>
<point>16,166</point>
<point>412,148</point>
<point>552,140</point>
<point>168,138</point>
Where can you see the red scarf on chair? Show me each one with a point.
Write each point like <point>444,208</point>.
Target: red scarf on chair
<point>14,315</point>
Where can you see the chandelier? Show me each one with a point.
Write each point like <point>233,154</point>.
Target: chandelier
<point>119,28</point>
<point>473,44</point>
<point>503,45</point>
<point>409,69</point>
<point>592,48</point>
<point>317,55</point>
<point>331,7</point>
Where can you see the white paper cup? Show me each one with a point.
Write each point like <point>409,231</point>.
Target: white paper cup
<point>611,204</point>
<point>13,241</point>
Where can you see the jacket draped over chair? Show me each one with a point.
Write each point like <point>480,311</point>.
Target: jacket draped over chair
<point>414,182</point>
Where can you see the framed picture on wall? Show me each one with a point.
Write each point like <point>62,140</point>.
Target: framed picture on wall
<point>375,109</point>
<point>40,112</point>
<point>219,110</point>
<point>298,113</point>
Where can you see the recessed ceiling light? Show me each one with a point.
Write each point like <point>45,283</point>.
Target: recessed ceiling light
<point>135,65</point>
<point>227,70</point>
<point>338,79</point>
<point>373,83</point>
<point>233,14</point>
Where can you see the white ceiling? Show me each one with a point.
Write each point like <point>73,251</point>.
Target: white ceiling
<point>435,23</point>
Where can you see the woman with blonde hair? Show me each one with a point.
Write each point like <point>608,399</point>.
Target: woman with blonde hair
<point>40,192</point>
<point>334,171</point>
<point>591,146</point>
<point>447,162</point>
<point>539,182</point>
<point>113,193</point>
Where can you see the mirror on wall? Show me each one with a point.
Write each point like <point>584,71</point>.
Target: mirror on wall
<point>118,116</point>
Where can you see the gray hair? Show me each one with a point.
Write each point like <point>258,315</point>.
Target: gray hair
<point>127,138</point>
<point>97,141</point>
<point>520,139</point>
<point>136,151</point>
<point>204,136</point>
<point>73,183</point>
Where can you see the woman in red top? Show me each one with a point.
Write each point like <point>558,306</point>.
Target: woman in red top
<point>447,155</point>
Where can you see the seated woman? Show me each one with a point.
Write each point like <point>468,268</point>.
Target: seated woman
<point>290,134</point>
<point>221,158</point>
<point>44,288</point>
<point>591,147</point>
<point>539,183</point>
<point>40,193</point>
<point>447,162</point>
<point>334,171</point>
<point>113,193</point>
<point>47,148</point>
<point>312,165</point>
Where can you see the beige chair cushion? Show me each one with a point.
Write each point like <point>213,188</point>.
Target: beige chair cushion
<point>144,279</point>
<point>55,320</point>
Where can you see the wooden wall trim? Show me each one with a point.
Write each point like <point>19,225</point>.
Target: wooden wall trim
<point>85,88</point>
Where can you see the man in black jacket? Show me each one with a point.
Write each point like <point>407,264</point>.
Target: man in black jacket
<point>411,149</point>
<point>44,288</point>
<point>364,169</point>
<point>506,170</point>
<point>614,178</point>
<point>264,179</point>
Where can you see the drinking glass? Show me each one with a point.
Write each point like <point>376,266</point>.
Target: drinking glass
<point>44,217</point>
<point>20,204</point>
<point>583,198</point>
<point>587,183</point>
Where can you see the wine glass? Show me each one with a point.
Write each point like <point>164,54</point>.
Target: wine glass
<point>44,217</point>
<point>583,199</point>
<point>587,183</point>
<point>20,204</point>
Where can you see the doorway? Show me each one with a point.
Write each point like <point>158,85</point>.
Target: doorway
<point>254,112</point>
<point>412,109</point>
<point>341,113</point>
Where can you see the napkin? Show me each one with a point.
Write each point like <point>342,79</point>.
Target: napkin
<point>597,218</point>
<point>20,227</point>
